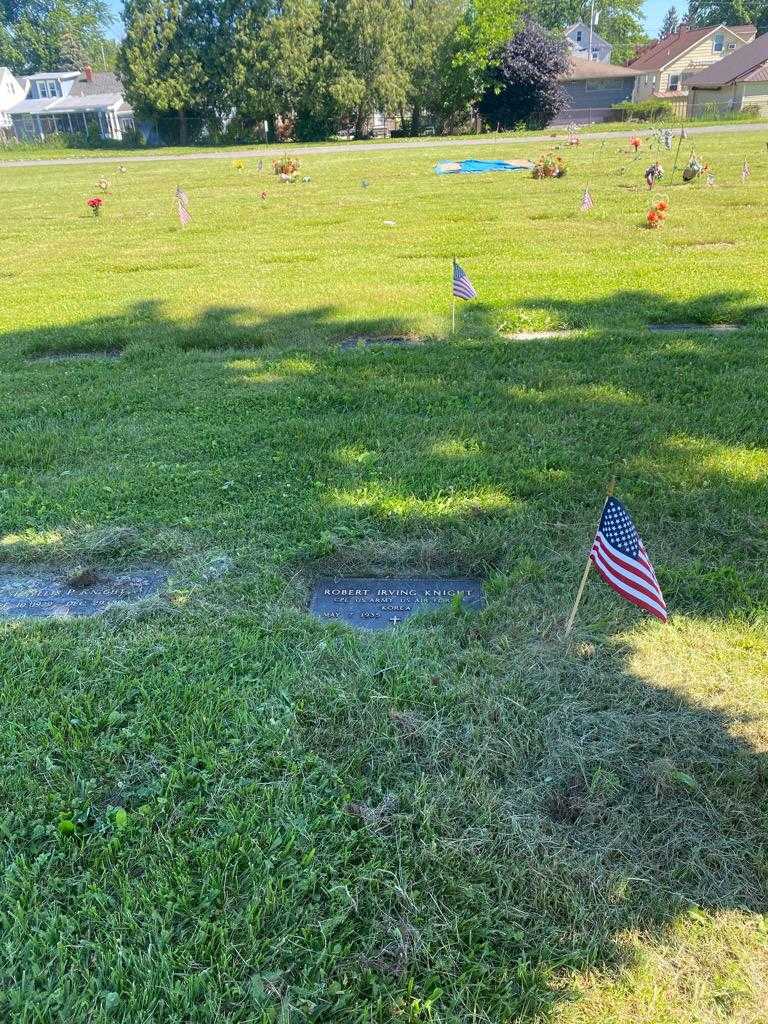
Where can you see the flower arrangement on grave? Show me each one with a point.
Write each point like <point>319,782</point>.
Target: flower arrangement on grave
<point>549,166</point>
<point>654,173</point>
<point>286,168</point>
<point>239,165</point>
<point>103,185</point>
<point>694,168</point>
<point>95,204</point>
<point>635,142</point>
<point>657,214</point>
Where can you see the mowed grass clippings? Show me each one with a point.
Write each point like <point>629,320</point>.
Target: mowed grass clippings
<point>215,808</point>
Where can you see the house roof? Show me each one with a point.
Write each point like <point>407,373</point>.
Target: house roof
<point>657,55</point>
<point>747,64</point>
<point>101,82</point>
<point>69,104</point>
<point>38,75</point>
<point>103,92</point>
<point>583,69</point>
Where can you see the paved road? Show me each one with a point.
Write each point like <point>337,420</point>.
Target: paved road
<point>360,147</point>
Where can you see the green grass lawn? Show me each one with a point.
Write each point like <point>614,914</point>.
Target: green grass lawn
<point>462,820</point>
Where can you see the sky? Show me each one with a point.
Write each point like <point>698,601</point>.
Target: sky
<point>654,11</point>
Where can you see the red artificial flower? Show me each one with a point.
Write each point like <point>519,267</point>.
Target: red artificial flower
<point>95,203</point>
<point>653,218</point>
<point>635,141</point>
<point>662,206</point>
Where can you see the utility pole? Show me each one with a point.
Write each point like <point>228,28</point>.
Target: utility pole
<point>593,20</point>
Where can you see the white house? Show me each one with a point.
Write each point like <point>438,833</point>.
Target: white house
<point>585,48</point>
<point>69,103</point>
<point>11,92</point>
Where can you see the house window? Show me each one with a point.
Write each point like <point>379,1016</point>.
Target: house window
<point>578,36</point>
<point>674,83</point>
<point>54,89</point>
<point>42,90</point>
<point>718,43</point>
<point>600,84</point>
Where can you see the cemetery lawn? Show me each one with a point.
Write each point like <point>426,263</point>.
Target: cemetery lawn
<point>215,808</point>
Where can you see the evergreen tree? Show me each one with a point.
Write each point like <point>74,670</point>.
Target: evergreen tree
<point>670,23</point>
<point>366,45</point>
<point>160,63</point>
<point>269,55</point>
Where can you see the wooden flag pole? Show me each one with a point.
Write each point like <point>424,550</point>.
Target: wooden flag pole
<point>582,585</point>
<point>579,595</point>
<point>453,307</point>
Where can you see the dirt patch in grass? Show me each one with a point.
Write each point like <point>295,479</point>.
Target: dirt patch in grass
<point>569,802</point>
<point>425,556</point>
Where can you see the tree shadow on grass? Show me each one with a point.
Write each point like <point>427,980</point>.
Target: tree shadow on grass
<point>217,327</point>
<point>634,309</point>
<point>546,799</point>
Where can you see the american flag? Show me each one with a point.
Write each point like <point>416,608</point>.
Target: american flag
<point>462,286</point>
<point>182,201</point>
<point>620,558</point>
<point>586,202</point>
<point>745,171</point>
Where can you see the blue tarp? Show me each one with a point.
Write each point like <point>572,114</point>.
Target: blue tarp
<point>481,166</point>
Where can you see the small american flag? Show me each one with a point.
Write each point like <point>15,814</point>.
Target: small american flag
<point>462,286</point>
<point>586,202</point>
<point>745,171</point>
<point>620,558</point>
<point>182,202</point>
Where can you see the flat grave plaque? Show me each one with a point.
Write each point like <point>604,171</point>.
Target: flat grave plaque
<point>43,594</point>
<point>403,341</point>
<point>691,328</point>
<point>378,604</point>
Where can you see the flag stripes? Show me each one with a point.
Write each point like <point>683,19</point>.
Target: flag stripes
<point>462,286</point>
<point>620,558</point>
<point>182,202</point>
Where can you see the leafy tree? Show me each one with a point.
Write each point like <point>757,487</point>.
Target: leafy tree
<point>46,35</point>
<point>728,12</point>
<point>670,24</point>
<point>525,85</point>
<point>430,29</point>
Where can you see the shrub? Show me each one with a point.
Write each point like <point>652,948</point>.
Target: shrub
<point>524,85</point>
<point>654,109</point>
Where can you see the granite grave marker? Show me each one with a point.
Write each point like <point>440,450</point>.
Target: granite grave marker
<point>377,604</point>
<point>41,594</point>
